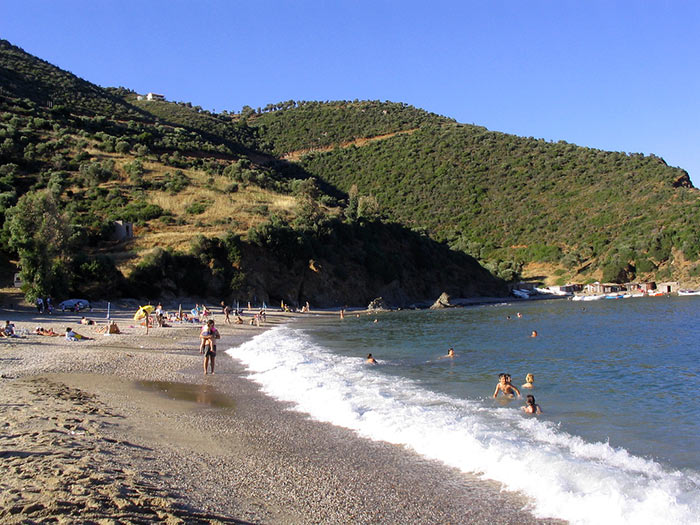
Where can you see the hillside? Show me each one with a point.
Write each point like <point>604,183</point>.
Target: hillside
<point>215,213</point>
<point>514,203</point>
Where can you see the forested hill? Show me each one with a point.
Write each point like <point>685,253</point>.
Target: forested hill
<point>216,215</point>
<point>333,202</point>
<point>517,204</point>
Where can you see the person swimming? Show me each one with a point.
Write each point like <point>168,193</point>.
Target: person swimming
<point>534,333</point>
<point>529,380</point>
<point>371,360</point>
<point>450,354</point>
<point>504,385</point>
<point>531,407</point>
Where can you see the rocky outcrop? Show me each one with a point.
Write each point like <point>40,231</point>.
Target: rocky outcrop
<point>378,304</point>
<point>442,302</point>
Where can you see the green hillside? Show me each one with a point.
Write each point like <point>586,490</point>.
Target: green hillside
<point>216,215</point>
<point>514,203</point>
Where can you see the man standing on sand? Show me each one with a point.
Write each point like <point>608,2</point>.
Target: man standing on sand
<point>226,310</point>
<point>208,348</point>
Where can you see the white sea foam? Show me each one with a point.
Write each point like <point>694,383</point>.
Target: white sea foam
<point>565,477</point>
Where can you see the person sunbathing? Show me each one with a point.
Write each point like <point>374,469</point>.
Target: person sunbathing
<point>42,331</point>
<point>8,330</point>
<point>74,336</point>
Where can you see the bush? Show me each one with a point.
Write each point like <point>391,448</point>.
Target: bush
<point>196,208</point>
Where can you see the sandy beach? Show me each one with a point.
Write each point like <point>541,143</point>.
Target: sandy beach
<point>126,429</point>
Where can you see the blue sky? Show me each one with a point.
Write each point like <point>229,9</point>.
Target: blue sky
<point>622,76</point>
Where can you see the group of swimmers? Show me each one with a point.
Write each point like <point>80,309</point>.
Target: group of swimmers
<point>507,388</point>
<point>504,386</point>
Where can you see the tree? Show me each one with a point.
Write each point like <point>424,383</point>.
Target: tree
<point>38,232</point>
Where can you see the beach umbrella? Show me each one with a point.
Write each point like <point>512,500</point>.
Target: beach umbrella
<point>143,311</point>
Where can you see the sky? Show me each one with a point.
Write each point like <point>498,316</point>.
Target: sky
<point>614,75</point>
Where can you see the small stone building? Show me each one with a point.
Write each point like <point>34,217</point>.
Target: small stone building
<point>122,230</point>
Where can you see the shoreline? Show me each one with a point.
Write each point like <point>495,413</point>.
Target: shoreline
<point>175,445</point>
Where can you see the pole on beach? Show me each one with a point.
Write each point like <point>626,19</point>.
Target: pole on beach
<point>108,308</point>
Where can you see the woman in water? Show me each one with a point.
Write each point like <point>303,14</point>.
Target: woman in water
<point>530,406</point>
<point>371,360</point>
<point>529,380</point>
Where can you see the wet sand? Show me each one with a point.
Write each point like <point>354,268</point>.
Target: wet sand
<point>126,428</point>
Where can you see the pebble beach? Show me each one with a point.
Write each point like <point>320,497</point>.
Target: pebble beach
<point>126,428</point>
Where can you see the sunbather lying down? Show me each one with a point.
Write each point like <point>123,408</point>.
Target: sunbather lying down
<point>111,328</point>
<point>43,331</point>
<point>75,336</point>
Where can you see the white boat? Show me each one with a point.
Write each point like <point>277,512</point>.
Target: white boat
<point>688,292</point>
<point>522,294</point>
<point>587,297</point>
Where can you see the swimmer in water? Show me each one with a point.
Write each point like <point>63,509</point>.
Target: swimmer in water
<point>519,315</point>
<point>529,379</point>
<point>534,333</point>
<point>530,406</point>
<point>505,386</point>
<point>371,360</point>
<point>450,354</point>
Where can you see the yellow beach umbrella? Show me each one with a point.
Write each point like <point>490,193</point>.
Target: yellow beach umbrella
<point>143,311</point>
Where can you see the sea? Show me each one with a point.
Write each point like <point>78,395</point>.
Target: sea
<point>618,382</point>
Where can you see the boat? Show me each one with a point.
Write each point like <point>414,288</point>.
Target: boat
<point>587,297</point>
<point>688,292</point>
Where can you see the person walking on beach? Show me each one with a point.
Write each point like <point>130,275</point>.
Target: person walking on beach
<point>505,387</point>
<point>40,305</point>
<point>208,347</point>
<point>226,310</point>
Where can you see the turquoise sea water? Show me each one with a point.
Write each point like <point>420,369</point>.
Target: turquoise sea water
<point>618,381</point>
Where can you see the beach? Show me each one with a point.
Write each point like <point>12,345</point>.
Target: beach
<point>127,428</point>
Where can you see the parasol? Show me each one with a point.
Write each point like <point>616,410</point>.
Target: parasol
<point>143,311</point>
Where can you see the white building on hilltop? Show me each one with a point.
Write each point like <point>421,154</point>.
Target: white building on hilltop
<point>151,96</point>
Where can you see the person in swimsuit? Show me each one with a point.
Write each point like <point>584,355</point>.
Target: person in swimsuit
<point>371,360</point>
<point>529,380</point>
<point>530,406</point>
<point>450,354</point>
<point>505,387</point>
<point>208,339</point>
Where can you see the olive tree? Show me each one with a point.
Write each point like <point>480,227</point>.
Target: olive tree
<point>37,230</point>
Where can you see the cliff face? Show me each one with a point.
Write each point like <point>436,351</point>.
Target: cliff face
<point>330,282</point>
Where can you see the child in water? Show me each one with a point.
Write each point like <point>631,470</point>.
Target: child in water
<point>530,406</point>
<point>529,380</point>
<point>504,385</point>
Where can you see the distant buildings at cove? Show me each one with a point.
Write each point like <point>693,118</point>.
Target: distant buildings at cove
<point>150,96</point>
